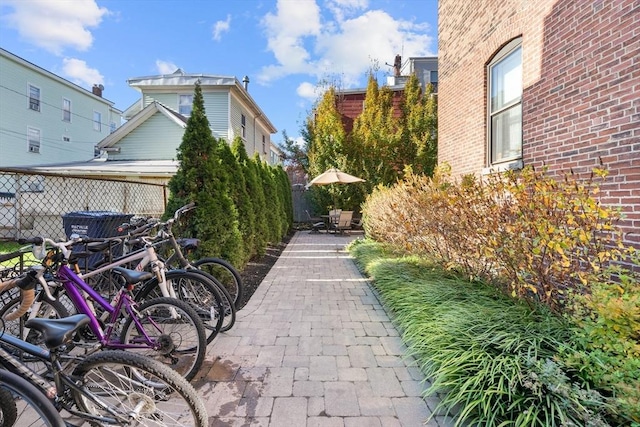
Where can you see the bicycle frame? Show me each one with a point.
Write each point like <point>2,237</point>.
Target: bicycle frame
<point>61,382</point>
<point>74,286</point>
<point>147,256</point>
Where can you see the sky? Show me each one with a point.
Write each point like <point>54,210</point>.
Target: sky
<point>289,49</point>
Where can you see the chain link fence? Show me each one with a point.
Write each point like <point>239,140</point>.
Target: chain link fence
<point>33,204</point>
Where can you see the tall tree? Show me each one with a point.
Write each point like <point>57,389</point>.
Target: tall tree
<point>326,141</point>
<point>242,201</point>
<point>419,126</point>
<point>374,137</point>
<point>202,179</point>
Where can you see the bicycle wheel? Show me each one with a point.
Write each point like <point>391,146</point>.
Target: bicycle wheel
<point>201,294</point>
<point>227,301</point>
<point>22,404</point>
<point>176,331</point>
<point>44,309</point>
<point>136,390</point>
<point>8,408</point>
<point>226,274</point>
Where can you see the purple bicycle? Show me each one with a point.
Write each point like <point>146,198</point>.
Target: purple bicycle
<point>164,328</point>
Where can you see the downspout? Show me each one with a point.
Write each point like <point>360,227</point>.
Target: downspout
<point>260,153</point>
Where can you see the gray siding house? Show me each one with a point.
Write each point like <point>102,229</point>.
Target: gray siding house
<point>45,119</point>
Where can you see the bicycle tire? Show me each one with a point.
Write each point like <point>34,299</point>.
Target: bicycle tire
<point>8,408</point>
<point>195,289</point>
<point>182,344</point>
<point>33,408</point>
<point>48,309</point>
<point>166,398</point>
<point>226,274</point>
<point>227,301</point>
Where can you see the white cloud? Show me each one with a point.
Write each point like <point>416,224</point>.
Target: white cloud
<point>221,27</point>
<point>348,41</point>
<point>78,72</point>
<point>372,37</point>
<point>165,67</point>
<point>286,32</point>
<point>56,25</point>
<point>308,91</point>
<point>342,8</point>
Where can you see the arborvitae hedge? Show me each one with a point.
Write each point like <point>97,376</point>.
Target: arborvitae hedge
<point>242,203</point>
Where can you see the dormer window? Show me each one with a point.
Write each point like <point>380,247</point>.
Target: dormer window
<point>185,105</point>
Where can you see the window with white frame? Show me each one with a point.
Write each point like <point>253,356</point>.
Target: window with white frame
<point>504,133</point>
<point>243,126</point>
<point>185,104</point>
<point>264,144</point>
<point>97,121</point>
<point>33,140</point>
<point>66,110</point>
<point>34,98</point>
<point>112,127</point>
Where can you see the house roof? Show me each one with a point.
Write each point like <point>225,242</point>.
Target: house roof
<point>179,79</point>
<point>148,111</point>
<point>104,167</point>
<point>56,77</point>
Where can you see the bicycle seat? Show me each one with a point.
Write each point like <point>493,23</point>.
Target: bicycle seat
<point>132,276</point>
<point>57,332</point>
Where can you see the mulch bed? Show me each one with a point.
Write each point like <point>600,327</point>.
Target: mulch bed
<point>257,269</point>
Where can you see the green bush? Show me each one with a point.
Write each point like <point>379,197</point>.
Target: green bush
<point>606,342</point>
<point>537,239</point>
<point>492,359</point>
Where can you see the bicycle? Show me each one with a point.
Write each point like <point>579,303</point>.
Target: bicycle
<point>202,292</point>
<point>222,270</point>
<point>213,268</point>
<point>163,328</point>
<point>22,404</point>
<point>109,387</point>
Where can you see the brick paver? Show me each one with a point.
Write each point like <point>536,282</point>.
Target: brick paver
<point>313,347</point>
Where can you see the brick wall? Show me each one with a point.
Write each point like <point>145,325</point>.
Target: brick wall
<point>581,78</point>
<point>350,106</point>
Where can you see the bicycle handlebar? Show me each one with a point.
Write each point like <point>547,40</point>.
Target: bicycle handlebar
<point>31,241</point>
<point>184,209</point>
<point>27,284</point>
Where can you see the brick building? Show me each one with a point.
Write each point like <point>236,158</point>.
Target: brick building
<point>350,102</point>
<point>553,82</point>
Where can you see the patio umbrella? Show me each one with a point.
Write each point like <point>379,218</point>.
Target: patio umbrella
<point>334,176</point>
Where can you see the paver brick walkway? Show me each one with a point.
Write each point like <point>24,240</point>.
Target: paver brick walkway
<point>314,348</point>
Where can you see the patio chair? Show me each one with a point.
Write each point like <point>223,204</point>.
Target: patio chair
<point>344,222</point>
<point>315,223</point>
<point>356,222</point>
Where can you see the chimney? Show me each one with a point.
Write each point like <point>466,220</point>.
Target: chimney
<point>245,80</point>
<point>97,90</point>
<point>397,65</point>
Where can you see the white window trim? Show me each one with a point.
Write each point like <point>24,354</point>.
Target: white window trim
<point>511,163</point>
<point>65,111</point>
<point>97,125</point>
<point>243,126</point>
<point>180,95</point>
<point>29,129</point>
<point>29,86</point>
